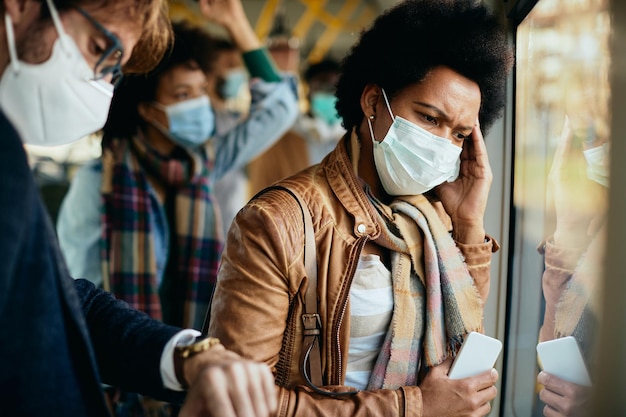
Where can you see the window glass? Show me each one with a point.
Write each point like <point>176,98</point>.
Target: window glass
<point>560,185</point>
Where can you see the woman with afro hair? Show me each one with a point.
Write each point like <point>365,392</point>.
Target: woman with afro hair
<point>397,216</point>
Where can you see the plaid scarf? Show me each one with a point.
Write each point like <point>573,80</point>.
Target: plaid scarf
<point>577,312</point>
<point>127,243</point>
<point>435,300</point>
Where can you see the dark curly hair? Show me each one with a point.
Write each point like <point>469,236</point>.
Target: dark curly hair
<point>410,39</point>
<point>192,47</point>
<point>324,66</point>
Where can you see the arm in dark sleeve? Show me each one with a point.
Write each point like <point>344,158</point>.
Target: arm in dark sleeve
<point>17,193</point>
<point>127,342</point>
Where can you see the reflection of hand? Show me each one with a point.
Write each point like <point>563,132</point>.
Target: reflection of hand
<point>562,398</point>
<point>465,199</point>
<point>225,385</point>
<point>579,203</point>
<point>231,15</point>
<point>461,397</point>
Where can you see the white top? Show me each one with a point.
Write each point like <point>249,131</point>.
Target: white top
<point>371,307</point>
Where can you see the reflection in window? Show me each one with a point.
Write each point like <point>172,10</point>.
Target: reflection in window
<point>561,183</point>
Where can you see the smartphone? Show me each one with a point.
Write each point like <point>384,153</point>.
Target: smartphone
<point>477,355</point>
<point>563,358</point>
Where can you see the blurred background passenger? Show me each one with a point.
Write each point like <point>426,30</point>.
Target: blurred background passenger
<point>320,125</point>
<point>230,97</point>
<point>228,82</point>
<point>289,154</point>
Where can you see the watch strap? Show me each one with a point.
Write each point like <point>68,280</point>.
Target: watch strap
<point>183,352</point>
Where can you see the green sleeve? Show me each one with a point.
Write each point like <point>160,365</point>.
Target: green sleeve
<point>260,64</point>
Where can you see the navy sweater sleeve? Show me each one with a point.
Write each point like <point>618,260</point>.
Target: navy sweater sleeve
<point>127,342</point>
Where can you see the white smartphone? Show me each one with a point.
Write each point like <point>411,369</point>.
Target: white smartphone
<point>477,355</point>
<point>562,358</point>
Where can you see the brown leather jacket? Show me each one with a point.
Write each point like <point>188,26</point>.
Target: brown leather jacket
<point>257,305</point>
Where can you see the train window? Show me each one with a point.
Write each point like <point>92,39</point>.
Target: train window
<point>560,186</point>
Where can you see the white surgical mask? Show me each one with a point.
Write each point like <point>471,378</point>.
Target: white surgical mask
<point>410,160</point>
<point>55,102</point>
<point>598,164</point>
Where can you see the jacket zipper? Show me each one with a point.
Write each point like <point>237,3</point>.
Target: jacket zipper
<point>344,296</point>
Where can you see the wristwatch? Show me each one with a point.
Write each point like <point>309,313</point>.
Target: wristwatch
<point>187,347</point>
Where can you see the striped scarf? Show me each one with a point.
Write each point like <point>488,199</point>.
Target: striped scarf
<point>435,300</point>
<point>127,242</point>
<point>577,312</point>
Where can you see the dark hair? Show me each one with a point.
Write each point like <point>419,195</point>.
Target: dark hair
<point>222,44</point>
<point>415,36</point>
<point>192,47</point>
<point>324,66</point>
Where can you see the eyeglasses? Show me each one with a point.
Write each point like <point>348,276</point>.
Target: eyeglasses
<point>110,63</point>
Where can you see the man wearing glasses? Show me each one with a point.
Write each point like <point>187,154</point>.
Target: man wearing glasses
<point>60,338</point>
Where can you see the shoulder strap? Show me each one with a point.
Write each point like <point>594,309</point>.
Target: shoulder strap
<point>310,361</point>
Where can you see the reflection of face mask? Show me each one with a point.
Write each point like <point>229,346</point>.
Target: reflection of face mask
<point>234,80</point>
<point>598,164</point>
<point>55,102</point>
<point>323,107</point>
<point>410,160</point>
<point>191,122</point>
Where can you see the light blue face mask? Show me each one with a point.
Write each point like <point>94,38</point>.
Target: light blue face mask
<point>235,79</point>
<point>323,107</point>
<point>191,122</point>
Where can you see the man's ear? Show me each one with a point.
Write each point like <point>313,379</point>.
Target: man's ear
<point>369,99</point>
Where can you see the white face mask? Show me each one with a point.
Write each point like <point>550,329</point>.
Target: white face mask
<point>410,160</point>
<point>55,102</point>
<point>598,164</point>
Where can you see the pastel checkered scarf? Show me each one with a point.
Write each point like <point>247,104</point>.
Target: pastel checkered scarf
<point>435,301</point>
<point>577,312</point>
<point>127,244</point>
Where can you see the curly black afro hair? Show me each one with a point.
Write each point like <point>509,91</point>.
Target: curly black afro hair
<point>410,39</point>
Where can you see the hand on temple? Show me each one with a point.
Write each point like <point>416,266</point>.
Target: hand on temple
<point>579,203</point>
<point>465,199</point>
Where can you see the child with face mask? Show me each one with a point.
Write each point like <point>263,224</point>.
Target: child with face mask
<point>397,216</point>
<point>142,221</point>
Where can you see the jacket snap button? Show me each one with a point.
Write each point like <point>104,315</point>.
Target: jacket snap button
<point>361,228</point>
